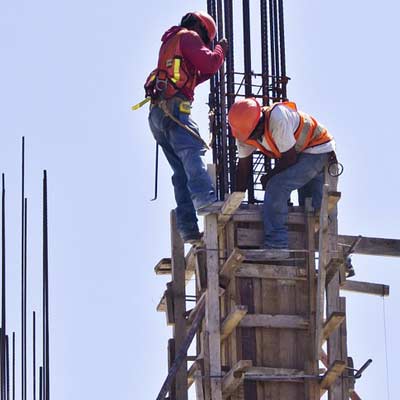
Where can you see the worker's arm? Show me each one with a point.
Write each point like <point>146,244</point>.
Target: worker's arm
<point>288,159</point>
<point>204,60</point>
<point>243,172</point>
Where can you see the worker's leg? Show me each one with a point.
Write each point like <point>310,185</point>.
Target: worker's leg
<point>312,189</point>
<point>185,212</point>
<point>278,190</point>
<point>190,150</point>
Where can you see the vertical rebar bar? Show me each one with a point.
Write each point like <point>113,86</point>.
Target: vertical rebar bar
<point>23,278</point>
<point>41,383</point>
<point>46,358</point>
<point>264,51</point>
<point>282,49</point>
<point>34,355</point>
<point>13,366</point>
<point>7,372</point>
<point>3,290</point>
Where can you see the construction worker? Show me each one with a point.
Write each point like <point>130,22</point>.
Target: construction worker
<point>185,60</point>
<point>301,147</point>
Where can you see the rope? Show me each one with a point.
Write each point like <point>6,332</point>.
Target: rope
<point>386,349</point>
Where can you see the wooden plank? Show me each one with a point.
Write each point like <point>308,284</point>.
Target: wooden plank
<point>232,320</point>
<point>163,267</point>
<point>169,301</point>
<point>162,304</point>
<point>247,270</point>
<point>372,246</point>
<point>212,306</point>
<point>191,372</point>
<point>268,371</point>
<point>179,305</point>
<point>334,371</point>
<point>322,264</point>
<point>274,321</point>
<point>376,289</point>
<point>231,264</point>
<point>332,323</point>
<point>255,215</point>
<point>248,237</point>
<point>198,380</point>
<point>230,205</point>
<point>312,358</point>
<point>233,378</point>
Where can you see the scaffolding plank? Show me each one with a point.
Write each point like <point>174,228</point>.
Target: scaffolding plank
<point>231,264</point>
<point>274,321</point>
<point>229,207</point>
<point>232,320</point>
<point>322,264</point>
<point>179,305</point>
<point>247,270</point>
<point>212,307</point>
<point>330,376</point>
<point>377,289</point>
<point>332,323</point>
<point>372,246</point>
<point>234,377</point>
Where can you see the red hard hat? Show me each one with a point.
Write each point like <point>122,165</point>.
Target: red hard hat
<point>208,22</point>
<point>243,117</point>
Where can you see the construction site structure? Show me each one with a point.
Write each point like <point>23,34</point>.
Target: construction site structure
<point>253,328</point>
<point>264,329</point>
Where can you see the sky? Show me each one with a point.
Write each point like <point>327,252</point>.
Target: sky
<point>70,71</point>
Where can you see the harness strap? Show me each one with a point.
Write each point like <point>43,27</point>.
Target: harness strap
<point>164,107</point>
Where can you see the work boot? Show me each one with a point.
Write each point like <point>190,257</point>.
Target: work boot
<point>276,253</point>
<point>193,238</point>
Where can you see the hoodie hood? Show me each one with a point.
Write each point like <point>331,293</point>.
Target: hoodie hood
<point>170,32</point>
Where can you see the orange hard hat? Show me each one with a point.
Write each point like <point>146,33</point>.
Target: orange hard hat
<point>208,22</point>
<point>243,117</point>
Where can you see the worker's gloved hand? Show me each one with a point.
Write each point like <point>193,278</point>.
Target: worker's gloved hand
<point>264,179</point>
<point>224,44</point>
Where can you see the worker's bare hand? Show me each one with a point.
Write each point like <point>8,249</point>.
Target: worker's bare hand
<point>224,44</point>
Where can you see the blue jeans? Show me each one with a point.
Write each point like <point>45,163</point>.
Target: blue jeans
<point>307,175</point>
<point>192,184</point>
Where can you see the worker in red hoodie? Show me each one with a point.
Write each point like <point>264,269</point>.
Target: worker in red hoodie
<point>185,60</point>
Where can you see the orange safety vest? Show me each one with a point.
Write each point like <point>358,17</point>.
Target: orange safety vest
<point>308,134</point>
<point>172,74</point>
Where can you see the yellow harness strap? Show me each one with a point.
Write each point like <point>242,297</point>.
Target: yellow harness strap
<point>141,104</point>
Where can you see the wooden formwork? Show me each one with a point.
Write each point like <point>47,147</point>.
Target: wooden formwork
<point>271,329</point>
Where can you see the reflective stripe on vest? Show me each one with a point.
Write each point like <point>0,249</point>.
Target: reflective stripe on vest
<point>309,133</point>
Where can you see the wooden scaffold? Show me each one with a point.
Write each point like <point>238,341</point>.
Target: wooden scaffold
<point>264,329</point>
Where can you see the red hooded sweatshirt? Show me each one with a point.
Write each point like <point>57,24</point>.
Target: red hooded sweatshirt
<point>200,60</point>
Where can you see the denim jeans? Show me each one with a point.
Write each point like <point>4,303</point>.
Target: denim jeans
<point>307,175</point>
<point>192,184</point>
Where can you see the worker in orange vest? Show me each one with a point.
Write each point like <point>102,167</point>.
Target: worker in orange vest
<point>185,60</point>
<point>301,147</point>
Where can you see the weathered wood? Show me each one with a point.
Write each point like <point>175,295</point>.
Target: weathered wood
<point>247,270</point>
<point>372,246</point>
<point>247,237</point>
<point>191,372</point>
<point>169,301</point>
<point>322,264</point>
<point>177,287</point>
<point>233,378</point>
<point>232,320</point>
<point>312,358</point>
<point>332,323</point>
<point>212,307</point>
<point>198,380</point>
<point>274,321</point>
<point>334,371</point>
<point>231,264</point>
<point>255,215</point>
<point>268,371</point>
<point>366,288</point>
<point>163,267</point>
<point>230,205</point>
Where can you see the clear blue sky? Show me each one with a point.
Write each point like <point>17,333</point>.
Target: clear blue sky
<point>70,71</point>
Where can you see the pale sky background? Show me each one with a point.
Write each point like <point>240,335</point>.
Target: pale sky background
<point>70,71</point>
